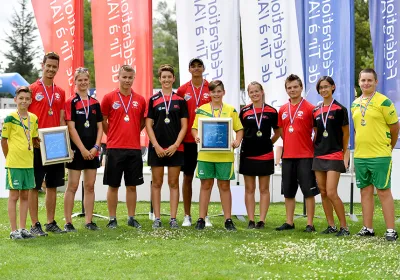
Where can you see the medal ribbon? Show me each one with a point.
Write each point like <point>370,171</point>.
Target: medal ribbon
<point>297,109</point>
<point>220,110</point>
<point>325,120</point>
<point>258,121</point>
<point>27,132</point>
<point>194,93</point>
<point>88,108</point>
<point>165,102</point>
<point>45,90</point>
<point>126,108</point>
<point>366,105</point>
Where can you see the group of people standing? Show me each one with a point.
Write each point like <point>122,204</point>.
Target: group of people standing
<point>314,142</point>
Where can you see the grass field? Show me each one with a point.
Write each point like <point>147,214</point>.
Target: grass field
<point>127,253</point>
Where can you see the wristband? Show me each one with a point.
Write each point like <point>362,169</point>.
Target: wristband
<point>96,147</point>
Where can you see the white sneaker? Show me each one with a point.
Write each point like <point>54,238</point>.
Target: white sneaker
<point>187,221</point>
<point>208,222</point>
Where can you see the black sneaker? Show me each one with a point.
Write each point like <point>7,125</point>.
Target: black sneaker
<point>200,224</point>
<point>26,234</point>
<point>112,223</point>
<point>391,235</point>
<point>329,230</point>
<point>37,230</point>
<point>365,232</point>
<point>69,227</point>
<point>53,227</point>
<point>157,224</point>
<point>309,228</point>
<point>133,223</point>
<point>343,232</point>
<point>260,225</point>
<point>285,226</point>
<point>173,224</point>
<point>252,225</point>
<point>16,234</point>
<point>229,225</point>
<point>91,226</point>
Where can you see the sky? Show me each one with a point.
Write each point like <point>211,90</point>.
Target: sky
<point>6,12</point>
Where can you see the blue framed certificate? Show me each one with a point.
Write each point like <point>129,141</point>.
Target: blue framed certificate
<point>55,146</point>
<point>215,134</point>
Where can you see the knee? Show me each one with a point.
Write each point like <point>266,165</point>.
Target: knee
<point>14,196</point>
<point>383,194</point>
<point>332,195</point>
<point>23,195</point>
<point>264,191</point>
<point>131,189</point>
<point>225,187</point>
<point>157,184</point>
<point>89,188</point>
<point>173,185</point>
<point>72,188</point>
<point>206,186</point>
<point>367,191</point>
<point>250,190</point>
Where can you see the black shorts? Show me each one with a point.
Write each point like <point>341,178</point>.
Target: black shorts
<point>154,160</point>
<point>189,158</point>
<point>79,163</point>
<point>123,161</point>
<point>252,167</point>
<point>53,174</point>
<point>295,172</point>
<point>328,165</point>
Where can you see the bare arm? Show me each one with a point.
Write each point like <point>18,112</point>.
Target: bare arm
<point>4,146</point>
<point>277,134</point>
<point>152,137</point>
<point>94,150</point>
<point>238,140</point>
<point>77,141</point>
<point>281,132</point>
<point>394,132</point>
<point>195,135</point>
<point>105,124</point>
<point>172,149</point>
<point>62,118</point>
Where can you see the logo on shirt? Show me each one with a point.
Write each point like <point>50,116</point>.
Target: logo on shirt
<point>57,95</point>
<point>284,115</point>
<point>206,95</point>
<point>116,105</point>
<point>80,112</point>
<point>187,96</point>
<point>300,114</point>
<point>39,96</point>
<point>176,106</point>
<point>161,108</point>
<point>250,117</point>
<point>135,104</point>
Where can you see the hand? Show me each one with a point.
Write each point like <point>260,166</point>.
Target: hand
<point>36,142</point>
<point>160,151</point>
<point>346,164</point>
<point>235,144</point>
<point>93,151</point>
<point>86,155</point>
<point>171,150</point>
<point>197,139</point>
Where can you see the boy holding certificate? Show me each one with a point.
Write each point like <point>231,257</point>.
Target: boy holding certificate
<point>219,165</point>
<point>19,129</point>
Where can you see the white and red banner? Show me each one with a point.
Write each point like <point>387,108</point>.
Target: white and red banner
<point>122,35</point>
<point>272,45</point>
<point>60,25</point>
<point>210,30</point>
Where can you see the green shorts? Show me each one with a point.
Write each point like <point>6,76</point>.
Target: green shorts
<point>20,179</point>
<point>373,171</point>
<point>215,170</point>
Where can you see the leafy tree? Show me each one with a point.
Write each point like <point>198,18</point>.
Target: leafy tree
<point>165,42</point>
<point>20,40</point>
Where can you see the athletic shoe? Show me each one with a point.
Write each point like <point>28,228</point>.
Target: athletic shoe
<point>157,224</point>
<point>391,235</point>
<point>285,226</point>
<point>229,225</point>
<point>91,226</point>
<point>53,227</point>
<point>329,230</point>
<point>343,232</point>
<point>252,225</point>
<point>309,228</point>
<point>200,224</point>
<point>16,235</point>
<point>112,223</point>
<point>69,228</point>
<point>260,225</point>
<point>365,232</point>
<point>26,234</point>
<point>187,221</point>
<point>173,224</point>
<point>37,230</point>
<point>208,222</point>
<point>133,223</point>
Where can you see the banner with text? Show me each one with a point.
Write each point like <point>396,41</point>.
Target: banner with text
<point>122,35</point>
<point>385,33</point>
<point>60,24</point>
<point>210,30</point>
<point>272,45</point>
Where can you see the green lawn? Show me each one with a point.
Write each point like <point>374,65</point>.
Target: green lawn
<point>189,254</point>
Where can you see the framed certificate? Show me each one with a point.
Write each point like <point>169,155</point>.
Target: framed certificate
<point>215,134</point>
<point>55,146</point>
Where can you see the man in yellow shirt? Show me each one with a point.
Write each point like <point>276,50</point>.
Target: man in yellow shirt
<point>376,131</point>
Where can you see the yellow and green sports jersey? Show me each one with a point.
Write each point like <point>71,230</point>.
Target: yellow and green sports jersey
<point>18,154</point>
<point>373,139</point>
<point>228,111</point>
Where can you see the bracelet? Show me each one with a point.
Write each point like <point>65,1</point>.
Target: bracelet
<point>96,147</point>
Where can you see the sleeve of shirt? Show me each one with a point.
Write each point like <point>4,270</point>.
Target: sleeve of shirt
<point>105,110</point>
<point>345,116</point>
<point>99,115</point>
<point>5,132</point>
<point>149,112</point>
<point>237,124</point>
<point>184,109</point>
<point>181,91</point>
<point>389,112</point>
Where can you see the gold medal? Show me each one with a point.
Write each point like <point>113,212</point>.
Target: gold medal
<point>325,133</point>
<point>259,133</point>
<point>50,112</point>
<point>87,124</point>
<point>363,122</point>
<point>167,120</point>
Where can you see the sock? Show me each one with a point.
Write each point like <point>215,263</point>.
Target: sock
<point>173,219</point>
<point>158,219</point>
<point>113,217</point>
<point>390,230</point>
<point>131,217</point>
<point>370,229</point>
